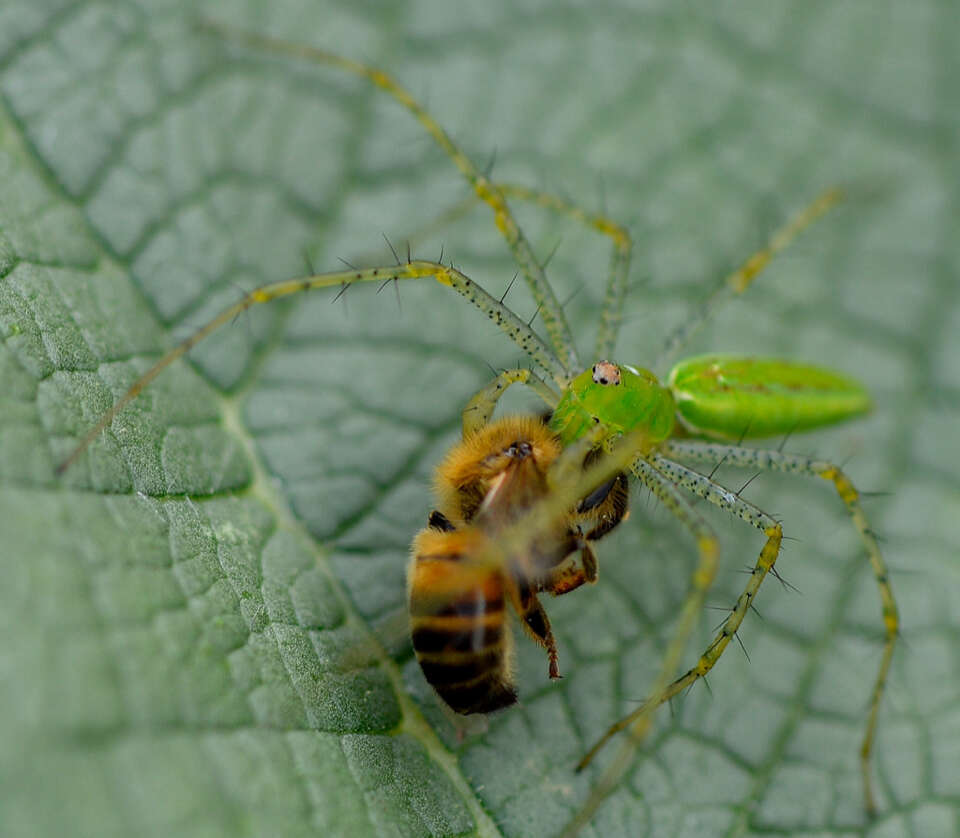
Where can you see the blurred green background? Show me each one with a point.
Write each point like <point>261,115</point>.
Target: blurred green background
<point>203,621</point>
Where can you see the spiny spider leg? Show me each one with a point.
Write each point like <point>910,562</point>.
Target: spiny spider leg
<point>550,309</point>
<point>708,548</point>
<point>604,225</point>
<point>766,460</point>
<point>509,323</point>
<point>480,408</point>
<point>719,496</point>
<point>701,580</point>
<point>619,259</point>
<point>739,281</point>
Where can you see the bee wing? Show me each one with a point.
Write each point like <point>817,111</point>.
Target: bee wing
<point>569,482</point>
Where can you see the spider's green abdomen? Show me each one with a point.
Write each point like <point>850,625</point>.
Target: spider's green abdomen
<point>621,397</point>
<point>729,397</point>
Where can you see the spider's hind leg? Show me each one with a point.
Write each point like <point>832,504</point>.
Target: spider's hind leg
<point>768,460</point>
<point>719,496</point>
<point>639,722</point>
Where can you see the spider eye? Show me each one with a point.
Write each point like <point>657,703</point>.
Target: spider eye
<point>606,373</point>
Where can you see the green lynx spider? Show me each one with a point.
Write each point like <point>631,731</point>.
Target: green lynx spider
<point>644,425</point>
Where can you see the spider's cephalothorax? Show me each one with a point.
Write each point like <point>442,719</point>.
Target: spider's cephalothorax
<point>622,397</point>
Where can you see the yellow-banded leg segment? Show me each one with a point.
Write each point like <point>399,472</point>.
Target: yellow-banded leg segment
<point>766,460</point>
<point>480,408</point>
<point>730,502</point>
<point>739,280</point>
<point>550,310</point>
<point>723,498</point>
<point>700,581</point>
<point>619,260</point>
<point>602,224</point>
<point>509,323</point>
<point>702,578</point>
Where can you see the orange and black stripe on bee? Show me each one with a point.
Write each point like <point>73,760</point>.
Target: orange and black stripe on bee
<point>463,576</point>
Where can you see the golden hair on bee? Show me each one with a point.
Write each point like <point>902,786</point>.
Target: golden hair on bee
<point>466,475</point>
<point>462,577</point>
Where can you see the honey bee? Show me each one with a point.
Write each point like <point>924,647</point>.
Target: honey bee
<point>462,575</point>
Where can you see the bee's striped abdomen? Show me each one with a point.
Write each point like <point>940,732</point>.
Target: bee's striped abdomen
<point>458,620</point>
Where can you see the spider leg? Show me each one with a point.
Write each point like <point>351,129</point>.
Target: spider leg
<point>480,408</point>
<point>739,280</point>
<point>768,460</point>
<point>619,259</point>
<point>602,224</point>
<point>550,309</point>
<point>639,722</point>
<point>708,549</point>
<point>718,495</point>
<point>509,323</point>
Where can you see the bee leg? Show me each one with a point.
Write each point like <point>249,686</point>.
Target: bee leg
<point>439,522</point>
<point>571,574</point>
<point>605,507</point>
<point>588,560</point>
<point>536,623</point>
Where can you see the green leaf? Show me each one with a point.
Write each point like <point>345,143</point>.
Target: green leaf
<point>203,620</point>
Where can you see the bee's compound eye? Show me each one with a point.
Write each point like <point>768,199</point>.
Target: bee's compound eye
<point>520,450</point>
<point>606,372</point>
